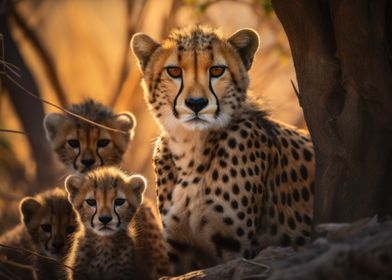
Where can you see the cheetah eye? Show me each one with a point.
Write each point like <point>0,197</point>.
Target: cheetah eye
<point>174,72</point>
<point>119,201</point>
<point>46,227</point>
<point>217,71</point>
<point>70,229</point>
<point>102,143</point>
<point>91,202</point>
<point>74,143</point>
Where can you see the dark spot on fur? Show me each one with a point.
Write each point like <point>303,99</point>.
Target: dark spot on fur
<point>225,243</point>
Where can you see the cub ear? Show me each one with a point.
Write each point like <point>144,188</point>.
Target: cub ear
<point>125,121</point>
<point>72,186</point>
<point>28,207</point>
<point>138,185</point>
<point>246,42</point>
<point>52,125</point>
<point>143,47</point>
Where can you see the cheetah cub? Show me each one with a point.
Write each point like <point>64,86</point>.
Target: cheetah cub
<point>82,146</point>
<point>107,201</point>
<point>48,224</point>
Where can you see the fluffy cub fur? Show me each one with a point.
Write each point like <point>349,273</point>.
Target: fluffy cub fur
<point>48,224</point>
<point>82,146</point>
<point>107,200</point>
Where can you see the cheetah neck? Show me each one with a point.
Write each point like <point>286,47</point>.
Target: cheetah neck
<point>186,145</point>
<point>113,241</point>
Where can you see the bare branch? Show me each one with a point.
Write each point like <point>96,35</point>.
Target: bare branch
<point>296,92</point>
<point>13,131</point>
<point>42,52</point>
<point>63,109</point>
<point>35,254</point>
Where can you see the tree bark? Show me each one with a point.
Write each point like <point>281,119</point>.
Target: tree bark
<point>29,111</point>
<point>342,61</point>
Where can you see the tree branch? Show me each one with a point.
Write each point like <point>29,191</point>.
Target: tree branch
<point>50,69</point>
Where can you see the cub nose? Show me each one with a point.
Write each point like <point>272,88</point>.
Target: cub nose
<point>58,245</point>
<point>88,162</point>
<point>196,104</point>
<point>105,219</point>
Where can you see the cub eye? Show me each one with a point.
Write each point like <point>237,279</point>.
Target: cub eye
<point>119,201</point>
<point>217,71</point>
<point>91,202</point>
<point>70,229</point>
<point>46,227</point>
<point>101,143</point>
<point>174,72</point>
<point>74,143</point>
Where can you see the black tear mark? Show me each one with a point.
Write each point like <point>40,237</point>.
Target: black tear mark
<point>175,112</point>
<point>225,243</point>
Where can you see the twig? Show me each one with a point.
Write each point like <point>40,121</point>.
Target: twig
<point>62,109</point>
<point>2,52</point>
<point>41,51</point>
<point>8,66</point>
<point>35,254</point>
<point>11,274</point>
<point>19,265</point>
<point>296,91</point>
<point>13,131</point>
<point>6,276</point>
<point>257,264</point>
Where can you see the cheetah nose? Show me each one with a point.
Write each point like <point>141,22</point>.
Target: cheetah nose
<point>58,245</point>
<point>196,104</point>
<point>88,162</point>
<point>105,219</point>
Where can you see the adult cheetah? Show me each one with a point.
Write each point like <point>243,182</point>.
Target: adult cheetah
<point>231,181</point>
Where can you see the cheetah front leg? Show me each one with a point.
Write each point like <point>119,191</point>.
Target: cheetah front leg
<point>180,256</point>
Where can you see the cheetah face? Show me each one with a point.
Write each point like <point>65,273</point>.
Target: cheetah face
<point>50,221</point>
<point>81,146</point>
<point>105,199</point>
<point>195,79</point>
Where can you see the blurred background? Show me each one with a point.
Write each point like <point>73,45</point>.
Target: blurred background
<point>70,50</point>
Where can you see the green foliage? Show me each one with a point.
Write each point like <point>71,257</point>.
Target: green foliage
<point>266,6</point>
<point>200,6</point>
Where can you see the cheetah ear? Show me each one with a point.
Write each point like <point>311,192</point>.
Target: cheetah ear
<point>143,47</point>
<point>246,42</point>
<point>72,186</point>
<point>125,121</point>
<point>28,206</point>
<point>52,125</point>
<point>138,185</point>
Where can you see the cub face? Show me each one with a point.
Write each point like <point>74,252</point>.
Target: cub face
<point>105,199</point>
<point>50,221</point>
<point>195,78</point>
<point>82,146</point>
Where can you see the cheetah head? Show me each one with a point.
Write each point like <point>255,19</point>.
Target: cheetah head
<point>195,78</point>
<point>82,146</point>
<point>106,199</point>
<point>50,221</point>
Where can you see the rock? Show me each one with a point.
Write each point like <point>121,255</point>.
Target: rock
<point>361,250</point>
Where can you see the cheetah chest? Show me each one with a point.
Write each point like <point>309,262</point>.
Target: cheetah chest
<point>217,194</point>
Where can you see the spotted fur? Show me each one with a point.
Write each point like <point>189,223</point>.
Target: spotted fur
<point>230,180</point>
<point>82,146</point>
<point>48,226</point>
<point>110,210</point>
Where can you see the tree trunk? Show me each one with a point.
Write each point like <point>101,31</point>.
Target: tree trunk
<point>343,67</point>
<point>29,111</point>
